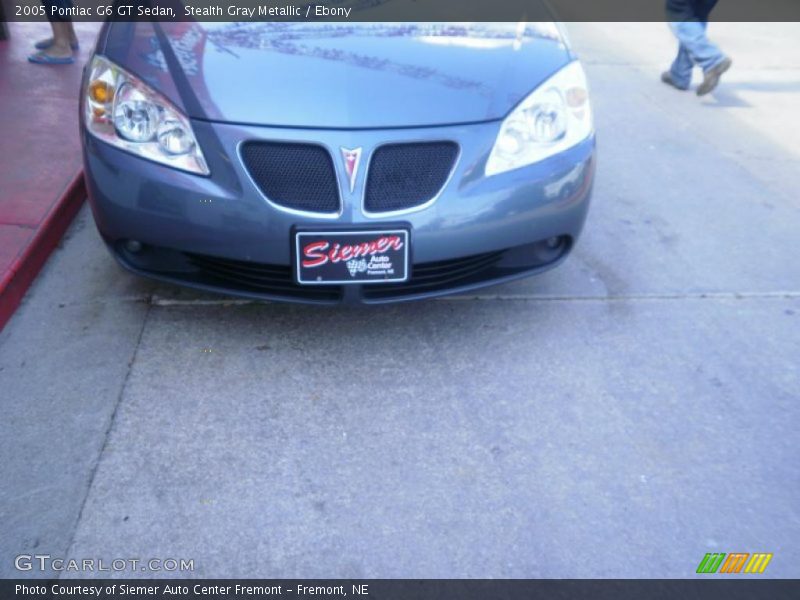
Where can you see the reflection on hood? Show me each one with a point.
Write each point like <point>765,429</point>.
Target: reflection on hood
<point>474,72</point>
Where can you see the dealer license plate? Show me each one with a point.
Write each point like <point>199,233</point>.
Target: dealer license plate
<point>342,257</point>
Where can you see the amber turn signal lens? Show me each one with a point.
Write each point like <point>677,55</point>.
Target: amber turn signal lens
<point>577,97</point>
<point>100,91</point>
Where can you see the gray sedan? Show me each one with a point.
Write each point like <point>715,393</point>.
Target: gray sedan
<point>331,162</point>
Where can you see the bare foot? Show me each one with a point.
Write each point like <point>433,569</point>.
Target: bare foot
<point>58,51</point>
<point>48,43</point>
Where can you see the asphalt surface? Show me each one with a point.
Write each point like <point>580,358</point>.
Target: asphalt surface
<point>617,417</point>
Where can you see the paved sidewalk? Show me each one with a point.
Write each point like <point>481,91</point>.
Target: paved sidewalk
<point>40,185</point>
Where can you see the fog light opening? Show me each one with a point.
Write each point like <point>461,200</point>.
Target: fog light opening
<point>554,242</point>
<point>133,246</point>
<point>551,249</point>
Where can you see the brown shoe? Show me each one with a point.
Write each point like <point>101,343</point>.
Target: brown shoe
<point>667,78</point>
<point>711,77</point>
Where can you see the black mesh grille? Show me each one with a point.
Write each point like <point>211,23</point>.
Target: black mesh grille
<point>407,175</point>
<point>298,176</point>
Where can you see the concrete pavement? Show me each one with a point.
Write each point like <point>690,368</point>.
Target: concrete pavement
<point>618,417</point>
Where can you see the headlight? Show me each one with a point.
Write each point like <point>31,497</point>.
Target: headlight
<point>554,118</point>
<point>123,111</point>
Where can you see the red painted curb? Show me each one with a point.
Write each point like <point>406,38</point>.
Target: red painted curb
<point>28,264</point>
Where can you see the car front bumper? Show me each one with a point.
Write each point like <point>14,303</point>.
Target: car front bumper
<point>220,233</point>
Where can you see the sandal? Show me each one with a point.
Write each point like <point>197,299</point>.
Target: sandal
<point>40,58</point>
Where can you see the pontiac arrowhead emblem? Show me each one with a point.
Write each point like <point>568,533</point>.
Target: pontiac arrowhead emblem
<point>351,160</point>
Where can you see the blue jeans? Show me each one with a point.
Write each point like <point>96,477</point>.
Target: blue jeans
<point>694,49</point>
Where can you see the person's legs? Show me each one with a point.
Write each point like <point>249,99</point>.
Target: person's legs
<point>59,52</point>
<point>680,73</point>
<point>702,51</point>
<point>712,74</point>
<point>64,39</point>
<point>48,42</point>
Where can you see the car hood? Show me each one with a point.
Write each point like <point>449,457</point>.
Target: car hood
<point>335,75</point>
